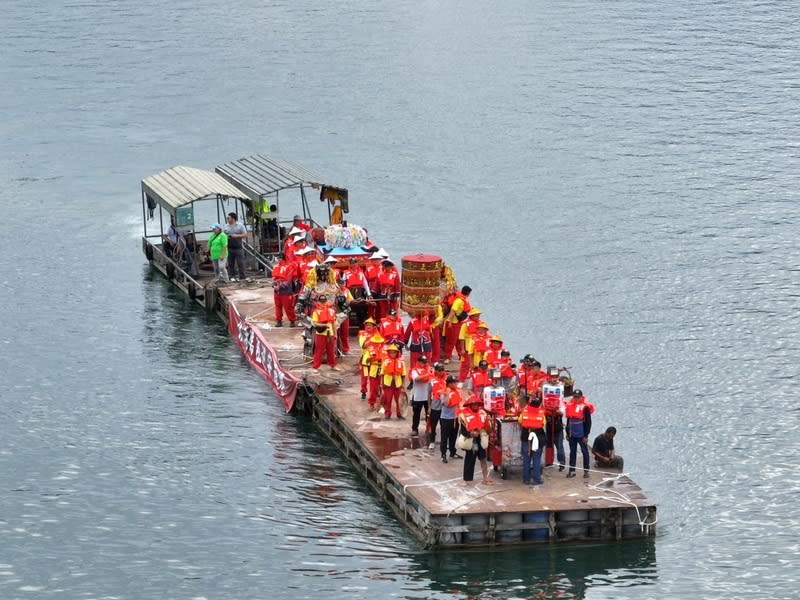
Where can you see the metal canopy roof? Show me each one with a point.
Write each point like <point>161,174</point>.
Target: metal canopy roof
<point>259,175</point>
<point>180,186</point>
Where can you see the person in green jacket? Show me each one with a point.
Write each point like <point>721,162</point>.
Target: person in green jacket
<point>218,252</point>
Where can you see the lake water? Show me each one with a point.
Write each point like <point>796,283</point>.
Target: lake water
<point>618,182</point>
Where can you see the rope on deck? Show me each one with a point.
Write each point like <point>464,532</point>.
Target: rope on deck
<point>620,498</point>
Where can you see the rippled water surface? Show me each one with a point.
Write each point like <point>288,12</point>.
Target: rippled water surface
<point>618,182</point>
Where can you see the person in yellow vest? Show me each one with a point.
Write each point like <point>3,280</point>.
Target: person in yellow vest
<point>371,360</point>
<point>363,336</point>
<point>532,420</point>
<point>393,371</point>
<point>323,319</point>
<point>456,312</point>
<point>469,328</point>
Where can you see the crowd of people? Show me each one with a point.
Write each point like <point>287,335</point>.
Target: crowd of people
<point>462,406</point>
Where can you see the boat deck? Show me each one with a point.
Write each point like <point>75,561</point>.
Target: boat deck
<point>428,495</point>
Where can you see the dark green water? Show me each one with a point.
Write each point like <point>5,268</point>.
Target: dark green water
<point>617,181</point>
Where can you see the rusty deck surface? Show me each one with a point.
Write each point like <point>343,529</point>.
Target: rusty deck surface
<point>418,470</point>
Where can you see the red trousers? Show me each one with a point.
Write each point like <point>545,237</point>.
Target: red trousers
<point>390,394</point>
<point>466,365</point>
<point>324,344</point>
<point>374,386</point>
<point>451,331</point>
<point>436,342</point>
<point>343,335</point>
<point>364,380</point>
<point>284,304</point>
<point>413,356</point>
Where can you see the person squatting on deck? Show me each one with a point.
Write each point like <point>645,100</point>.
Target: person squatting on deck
<point>421,376</point>
<point>237,234</point>
<point>474,427</point>
<point>218,253</point>
<point>579,425</point>
<point>603,450</point>
<point>532,422</point>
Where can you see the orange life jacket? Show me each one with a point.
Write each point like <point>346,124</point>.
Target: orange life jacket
<point>532,417</point>
<point>475,420</point>
<point>575,409</point>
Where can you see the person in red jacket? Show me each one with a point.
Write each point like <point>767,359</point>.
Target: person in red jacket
<point>418,338</point>
<point>356,281</point>
<point>393,371</point>
<point>391,329</point>
<point>323,319</point>
<point>388,291</point>
<point>579,425</point>
<point>285,280</point>
<point>371,272</point>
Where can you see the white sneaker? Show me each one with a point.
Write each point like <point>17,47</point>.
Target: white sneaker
<point>430,446</point>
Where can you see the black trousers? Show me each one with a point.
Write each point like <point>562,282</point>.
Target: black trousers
<point>471,457</point>
<point>449,434</point>
<point>435,414</point>
<point>416,408</point>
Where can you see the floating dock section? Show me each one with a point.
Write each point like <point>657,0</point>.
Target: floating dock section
<point>427,495</point>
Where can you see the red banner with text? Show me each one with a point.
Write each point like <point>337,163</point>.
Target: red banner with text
<point>262,357</point>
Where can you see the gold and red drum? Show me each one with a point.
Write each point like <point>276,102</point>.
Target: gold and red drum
<point>420,278</point>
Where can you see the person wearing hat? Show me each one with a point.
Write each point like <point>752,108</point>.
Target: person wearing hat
<point>323,319</point>
<point>456,312</point>
<point>293,244</point>
<point>393,374</point>
<point>356,282</point>
<point>237,235</point>
<point>579,425</point>
<point>479,379</point>
<point>451,400</point>
<point>531,384</point>
<point>388,290</point>
<point>494,355</point>
<point>298,223</point>
<point>480,343</point>
<point>475,423</point>
<point>343,301</point>
<point>438,386</point>
<point>371,360</point>
<point>391,328</point>
<point>363,335</point>
<point>218,252</point>
<point>469,329</point>
<point>421,377</point>
<point>371,272</point>
<point>418,337</point>
<point>285,276</point>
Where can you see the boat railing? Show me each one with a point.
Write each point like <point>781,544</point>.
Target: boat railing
<point>155,253</point>
<point>262,262</point>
